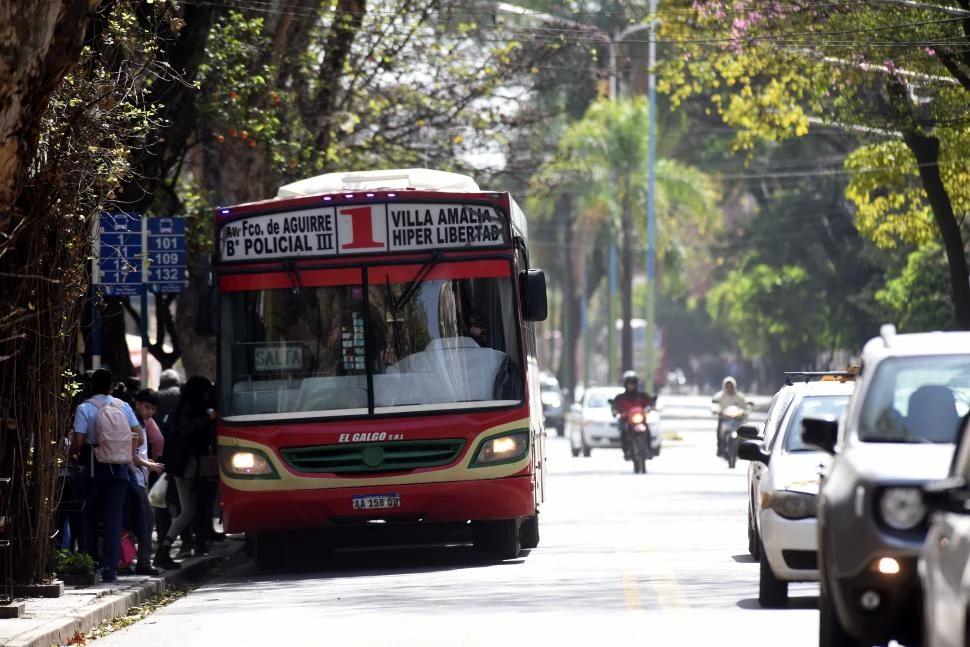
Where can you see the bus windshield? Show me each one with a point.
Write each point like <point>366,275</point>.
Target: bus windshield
<point>392,339</point>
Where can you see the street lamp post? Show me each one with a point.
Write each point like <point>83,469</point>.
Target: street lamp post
<point>651,331</point>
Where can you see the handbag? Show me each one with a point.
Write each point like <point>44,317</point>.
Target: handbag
<point>156,496</point>
<point>128,551</point>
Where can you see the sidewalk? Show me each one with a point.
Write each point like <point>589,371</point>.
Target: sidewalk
<point>47,622</point>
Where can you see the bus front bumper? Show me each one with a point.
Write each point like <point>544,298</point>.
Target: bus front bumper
<point>456,501</point>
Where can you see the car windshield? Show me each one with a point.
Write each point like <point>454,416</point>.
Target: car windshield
<point>916,400</point>
<point>447,341</point>
<point>812,407</point>
<point>600,399</point>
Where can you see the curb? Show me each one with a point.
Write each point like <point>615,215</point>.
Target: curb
<point>116,603</point>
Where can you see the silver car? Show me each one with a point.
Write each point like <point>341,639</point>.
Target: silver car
<point>896,435</point>
<point>944,566</point>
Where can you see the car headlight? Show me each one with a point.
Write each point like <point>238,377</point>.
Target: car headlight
<point>550,401</point>
<point>506,448</point>
<point>901,508</point>
<point>246,463</point>
<point>790,505</point>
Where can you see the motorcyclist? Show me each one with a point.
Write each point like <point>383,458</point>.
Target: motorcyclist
<point>726,397</point>
<point>631,397</point>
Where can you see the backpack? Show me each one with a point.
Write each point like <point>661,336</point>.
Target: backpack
<point>112,433</point>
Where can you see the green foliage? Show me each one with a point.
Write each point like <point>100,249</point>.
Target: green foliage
<point>918,298</point>
<point>890,200</point>
<point>602,160</point>
<point>68,563</point>
<point>775,70</point>
<point>773,312</point>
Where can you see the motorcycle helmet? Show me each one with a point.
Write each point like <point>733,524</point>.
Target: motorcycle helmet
<point>630,377</point>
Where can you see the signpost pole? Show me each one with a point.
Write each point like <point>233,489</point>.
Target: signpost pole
<point>95,282</point>
<point>144,302</point>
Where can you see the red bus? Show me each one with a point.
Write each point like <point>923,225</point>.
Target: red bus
<point>377,361</point>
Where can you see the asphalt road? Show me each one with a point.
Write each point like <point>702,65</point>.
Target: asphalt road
<point>624,560</point>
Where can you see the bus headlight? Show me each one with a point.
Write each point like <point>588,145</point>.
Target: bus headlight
<point>506,448</point>
<point>901,508</point>
<point>246,463</point>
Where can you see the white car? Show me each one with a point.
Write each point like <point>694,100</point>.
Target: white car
<point>786,492</point>
<point>944,564</point>
<point>776,413</point>
<point>590,423</point>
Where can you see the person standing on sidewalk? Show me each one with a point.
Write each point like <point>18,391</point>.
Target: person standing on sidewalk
<point>146,402</point>
<point>106,483</point>
<point>169,392</point>
<point>192,438</point>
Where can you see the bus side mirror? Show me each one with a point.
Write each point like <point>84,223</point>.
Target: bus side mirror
<point>532,286</point>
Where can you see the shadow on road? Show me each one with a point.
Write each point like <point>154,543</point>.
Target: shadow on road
<point>374,561</point>
<point>744,559</point>
<point>809,602</point>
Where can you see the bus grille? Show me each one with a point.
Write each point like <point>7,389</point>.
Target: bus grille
<point>372,458</point>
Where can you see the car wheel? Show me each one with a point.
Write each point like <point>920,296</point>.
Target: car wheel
<point>831,633</point>
<point>830,630</point>
<point>772,592</point>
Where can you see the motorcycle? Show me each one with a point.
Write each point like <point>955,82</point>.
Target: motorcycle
<point>636,424</point>
<point>729,419</point>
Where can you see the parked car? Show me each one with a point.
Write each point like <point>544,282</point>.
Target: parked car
<point>785,492</point>
<point>897,434</point>
<point>553,405</point>
<point>944,565</point>
<point>764,434</point>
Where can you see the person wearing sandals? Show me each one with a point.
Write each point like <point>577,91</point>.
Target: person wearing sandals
<point>193,437</point>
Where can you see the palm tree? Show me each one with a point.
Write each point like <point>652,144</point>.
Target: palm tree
<point>602,162</point>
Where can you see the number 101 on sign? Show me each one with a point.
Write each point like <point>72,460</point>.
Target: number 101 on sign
<point>376,502</point>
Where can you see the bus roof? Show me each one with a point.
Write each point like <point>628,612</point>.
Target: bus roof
<point>391,179</point>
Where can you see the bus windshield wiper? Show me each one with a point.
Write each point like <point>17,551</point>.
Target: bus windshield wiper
<point>296,282</point>
<point>412,286</point>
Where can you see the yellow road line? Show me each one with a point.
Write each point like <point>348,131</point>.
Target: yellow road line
<point>658,571</point>
<point>663,581</point>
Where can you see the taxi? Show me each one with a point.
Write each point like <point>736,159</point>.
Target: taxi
<point>785,491</point>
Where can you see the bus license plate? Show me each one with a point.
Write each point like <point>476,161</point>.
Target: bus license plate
<point>376,501</point>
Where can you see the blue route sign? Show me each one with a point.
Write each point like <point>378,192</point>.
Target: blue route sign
<point>166,255</point>
<point>119,254</point>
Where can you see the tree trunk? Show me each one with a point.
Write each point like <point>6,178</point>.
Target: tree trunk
<point>626,283</point>
<point>41,40</point>
<point>570,308</point>
<point>927,152</point>
<point>198,350</point>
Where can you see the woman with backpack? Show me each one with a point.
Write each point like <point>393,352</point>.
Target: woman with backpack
<point>187,458</point>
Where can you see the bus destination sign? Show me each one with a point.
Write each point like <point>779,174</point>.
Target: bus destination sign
<point>362,229</point>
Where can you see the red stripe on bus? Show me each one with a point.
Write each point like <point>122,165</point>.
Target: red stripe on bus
<point>285,280</point>
<point>489,268</point>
